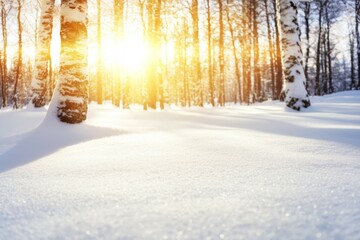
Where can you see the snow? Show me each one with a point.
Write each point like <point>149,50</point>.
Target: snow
<point>69,15</point>
<point>240,172</point>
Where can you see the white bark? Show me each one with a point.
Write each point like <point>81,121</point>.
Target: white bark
<point>295,80</point>
<point>39,83</point>
<point>71,93</point>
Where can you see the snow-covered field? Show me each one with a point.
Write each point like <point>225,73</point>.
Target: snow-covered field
<point>243,172</point>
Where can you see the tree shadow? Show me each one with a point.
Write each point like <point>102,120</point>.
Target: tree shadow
<point>307,125</point>
<point>46,139</point>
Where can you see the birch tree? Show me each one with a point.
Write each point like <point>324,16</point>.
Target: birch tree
<point>42,57</point>
<point>295,81</point>
<point>72,88</point>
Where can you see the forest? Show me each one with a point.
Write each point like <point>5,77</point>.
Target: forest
<point>180,119</point>
<point>183,52</point>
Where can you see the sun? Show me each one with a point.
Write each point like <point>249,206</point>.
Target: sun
<point>128,54</point>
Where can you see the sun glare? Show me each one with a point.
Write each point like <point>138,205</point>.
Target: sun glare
<point>129,54</point>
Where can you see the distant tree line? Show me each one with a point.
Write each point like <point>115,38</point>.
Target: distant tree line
<point>199,51</point>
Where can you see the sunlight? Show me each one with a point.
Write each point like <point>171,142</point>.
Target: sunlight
<point>129,54</point>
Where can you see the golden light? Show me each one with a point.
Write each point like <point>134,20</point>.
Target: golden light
<point>128,54</point>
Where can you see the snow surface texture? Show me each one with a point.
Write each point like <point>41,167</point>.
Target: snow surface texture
<point>249,172</point>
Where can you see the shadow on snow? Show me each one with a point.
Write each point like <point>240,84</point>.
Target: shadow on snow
<point>48,138</point>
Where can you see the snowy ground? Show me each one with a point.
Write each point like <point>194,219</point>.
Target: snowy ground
<point>249,172</point>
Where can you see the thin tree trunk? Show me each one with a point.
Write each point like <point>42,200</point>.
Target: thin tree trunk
<point>236,59</point>
<point>296,95</point>
<point>151,73</point>
<point>4,80</point>
<point>271,50</point>
<point>324,65</point>
<point>328,51</point>
<point>307,32</point>
<point>278,66</point>
<point>352,59</point>
<point>221,56</point>
<point>99,84</point>
<point>245,54</point>
<point>318,52</point>
<point>39,85</point>
<point>18,77</point>
<point>257,75</point>
<point>144,37</point>
<point>198,101</point>
<point>157,39</point>
<point>209,45</point>
<point>357,32</point>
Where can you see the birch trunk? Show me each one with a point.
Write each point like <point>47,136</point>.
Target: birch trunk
<point>296,94</point>
<point>72,88</point>
<point>39,83</point>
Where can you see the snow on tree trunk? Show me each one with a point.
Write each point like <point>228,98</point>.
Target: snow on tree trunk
<point>295,80</point>
<point>39,83</point>
<point>72,88</point>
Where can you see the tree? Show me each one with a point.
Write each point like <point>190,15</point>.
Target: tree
<point>256,54</point>
<point>118,39</point>
<point>209,45</point>
<point>318,51</point>
<point>19,58</point>
<point>72,89</point>
<point>357,33</point>
<point>271,50</point>
<point>245,50</point>
<point>222,98</point>
<point>307,12</point>
<point>4,79</point>
<point>233,43</point>
<point>196,53</point>
<point>99,56</point>
<point>42,57</point>
<point>296,95</point>
<point>352,59</point>
<point>154,44</point>
<point>278,65</point>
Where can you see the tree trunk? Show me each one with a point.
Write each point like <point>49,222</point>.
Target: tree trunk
<point>318,51</point>
<point>72,88</point>
<point>221,56</point>
<point>278,66</point>
<point>144,37</point>
<point>328,52</point>
<point>157,38</point>
<point>296,95</point>
<point>271,50</point>
<point>210,65</point>
<point>307,32</point>
<point>18,77</point>
<point>198,93</point>
<point>257,75</point>
<point>4,80</point>
<point>357,32</point>
<point>236,59</point>
<point>99,86</point>
<point>152,81</point>
<point>245,52</point>
<point>43,56</point>
<point>352,59</point>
